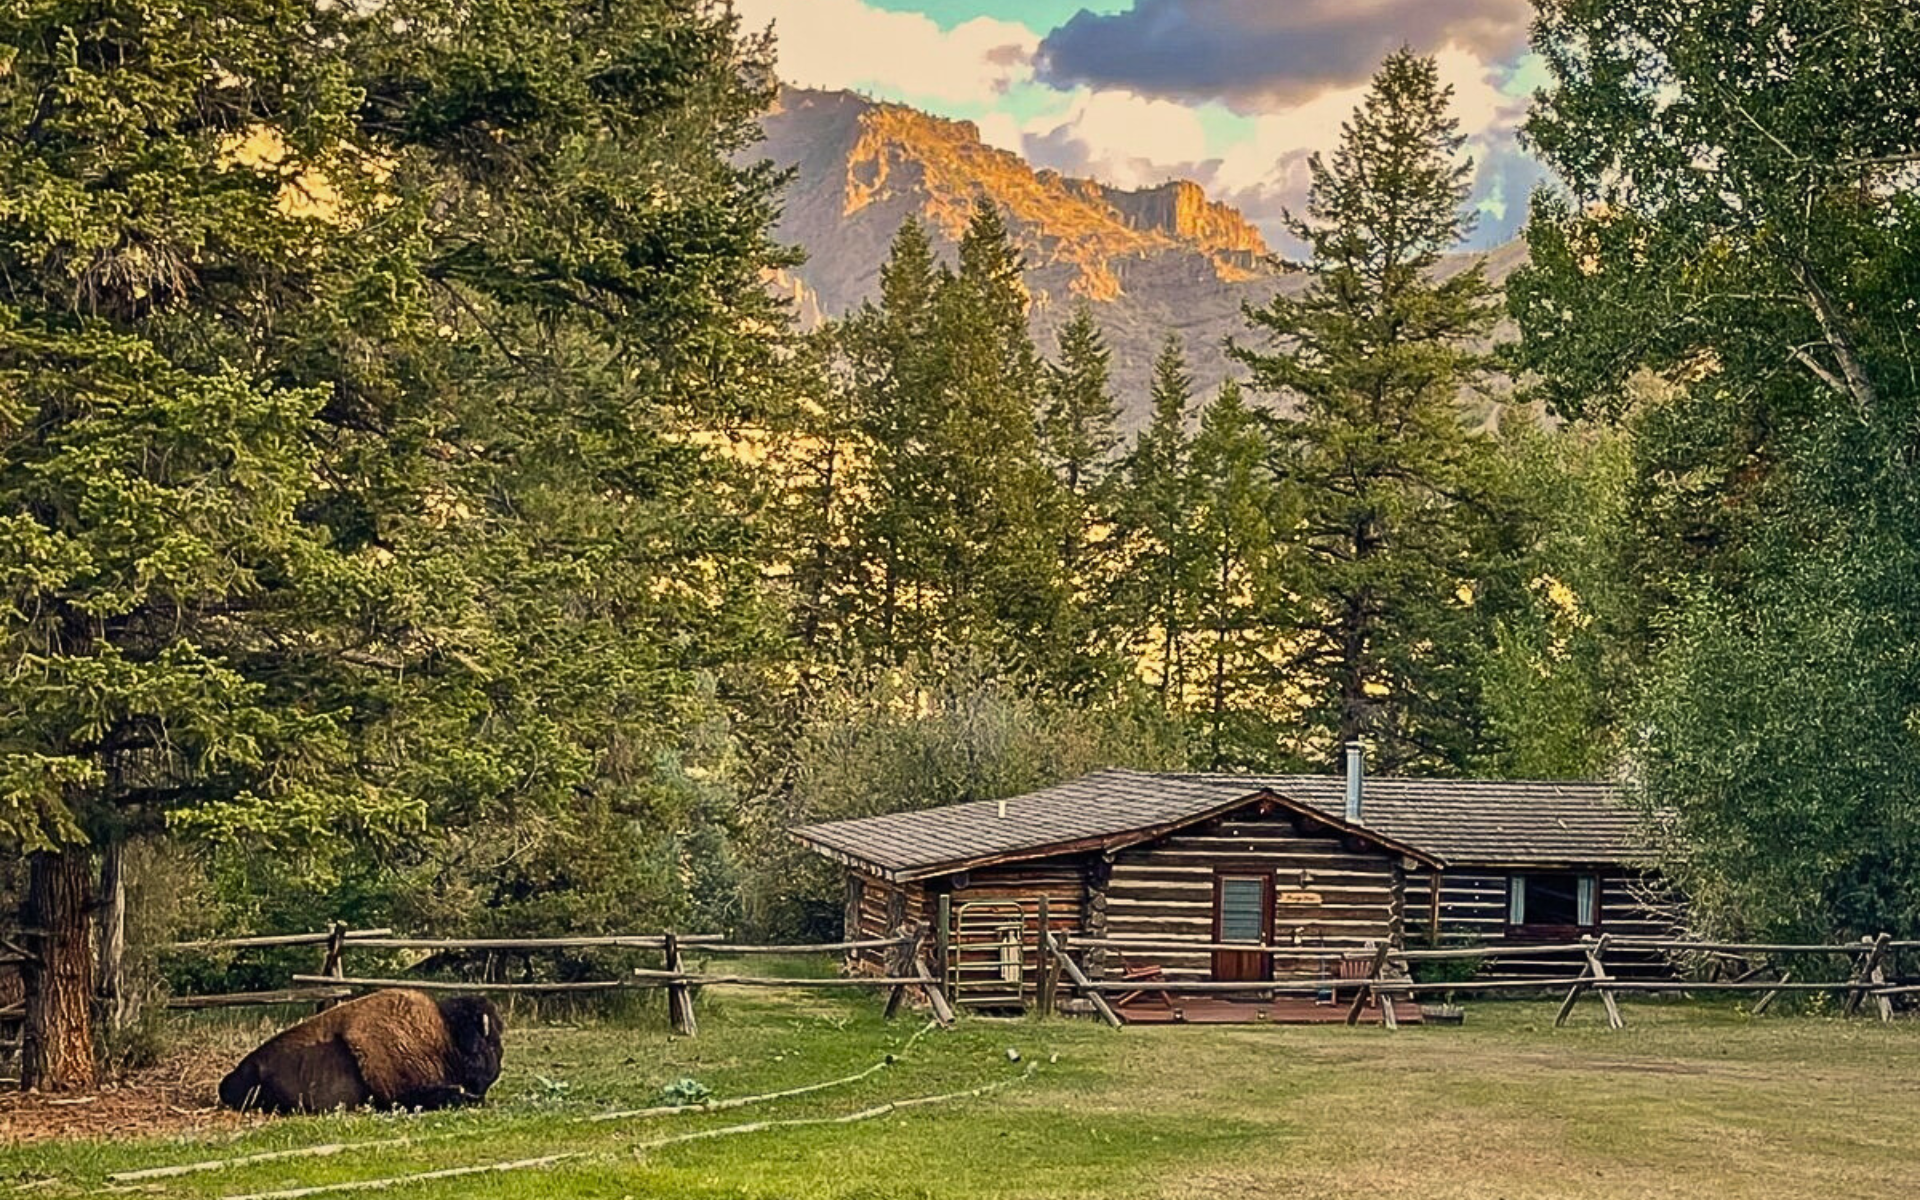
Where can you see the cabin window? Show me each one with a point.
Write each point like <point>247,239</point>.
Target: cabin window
<point>1553,900</point>
<point>1243,908</point>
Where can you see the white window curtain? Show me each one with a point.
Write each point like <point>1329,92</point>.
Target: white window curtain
<point>1517,900</point>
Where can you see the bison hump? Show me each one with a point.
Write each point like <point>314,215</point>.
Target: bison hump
<point>399,1042</point>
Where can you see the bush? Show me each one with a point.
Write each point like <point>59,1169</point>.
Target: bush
<point>896,741</point>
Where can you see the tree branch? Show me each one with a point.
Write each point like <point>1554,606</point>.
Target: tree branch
<point>1799,354</point>
<point>1858,385</point>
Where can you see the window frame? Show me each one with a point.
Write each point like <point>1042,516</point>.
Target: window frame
<point>1221,877</point>
<point>1587,908</point>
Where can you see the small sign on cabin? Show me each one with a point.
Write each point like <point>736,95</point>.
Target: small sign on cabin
<point>1299,898</point>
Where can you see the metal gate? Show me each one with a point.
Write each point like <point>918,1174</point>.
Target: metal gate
<point>987,955</point>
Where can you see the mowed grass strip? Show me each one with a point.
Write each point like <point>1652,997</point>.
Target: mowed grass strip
<point>1689,1100</point>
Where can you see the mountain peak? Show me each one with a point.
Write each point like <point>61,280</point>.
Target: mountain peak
<point>1152,260</point>
<point>1180,209</point>
<point>865,166</point>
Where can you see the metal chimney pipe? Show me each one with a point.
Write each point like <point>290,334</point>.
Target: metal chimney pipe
<point>1356,772</point>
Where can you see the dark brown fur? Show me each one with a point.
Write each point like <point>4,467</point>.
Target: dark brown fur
<point>393,1049</point>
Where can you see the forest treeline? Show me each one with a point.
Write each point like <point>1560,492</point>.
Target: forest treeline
<point>415,510</point>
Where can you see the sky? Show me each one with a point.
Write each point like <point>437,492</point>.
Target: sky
<point>1232,94</point>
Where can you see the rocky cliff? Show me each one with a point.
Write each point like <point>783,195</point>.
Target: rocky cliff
<point>1151,261</point>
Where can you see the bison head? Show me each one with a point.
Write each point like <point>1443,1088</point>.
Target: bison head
<point>474,1027</point>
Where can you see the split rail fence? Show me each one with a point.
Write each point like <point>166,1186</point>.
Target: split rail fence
<point>1378,979</point>
<point>331,983</point>
<point>1387,973</point>
<point>13,1013</point>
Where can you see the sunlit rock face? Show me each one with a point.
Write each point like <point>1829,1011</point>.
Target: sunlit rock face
<point>1150,261</point>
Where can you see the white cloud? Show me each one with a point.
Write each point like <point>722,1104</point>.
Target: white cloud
<point>1113,133</point>
<point>1119,138</point>
<point>845,44</point>
<point>1285,136</point>
<point>1002,130</point>
<point>1478,103</point>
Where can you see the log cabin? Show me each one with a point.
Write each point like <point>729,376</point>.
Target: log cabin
<point>1335,866</point>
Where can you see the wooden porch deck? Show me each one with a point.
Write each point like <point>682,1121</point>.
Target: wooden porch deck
<point>1281,1010</point>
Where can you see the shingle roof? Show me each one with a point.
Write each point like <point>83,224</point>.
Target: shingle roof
<point>1488,822</point>
<point>1105,804</point>
<point>1455,821</point>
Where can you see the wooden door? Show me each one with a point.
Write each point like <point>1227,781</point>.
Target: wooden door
<point>1242,912</point>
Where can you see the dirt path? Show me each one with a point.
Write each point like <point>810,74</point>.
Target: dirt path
<point>175,1097</point>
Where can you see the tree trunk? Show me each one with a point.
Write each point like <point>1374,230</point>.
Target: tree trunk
<point>57,1046</point>
<point>116,1004</point>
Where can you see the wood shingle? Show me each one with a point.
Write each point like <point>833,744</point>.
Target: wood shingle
<point>1445,821</point>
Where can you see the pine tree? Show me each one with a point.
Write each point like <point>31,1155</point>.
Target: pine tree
<point>1078,435</point>
<point>1153,596</point>
<point>343,503</point>
<point>1236,510</point>
<point>1079,429</point>
<point>1371,361</point>
<point>176,615</point>
<point>998,557</point>
<point>959,528</point>
<point>894,375</point>
<point>594,256</point>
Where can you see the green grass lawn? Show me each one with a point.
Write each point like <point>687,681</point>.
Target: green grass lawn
<point>1687,1101</point>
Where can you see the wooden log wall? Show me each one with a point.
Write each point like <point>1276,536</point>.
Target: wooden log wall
<point>1473,906</point>
<point>876,908</point>
<point>1473,911</point>
<point>1165,890</point>
<point>1062,881</point>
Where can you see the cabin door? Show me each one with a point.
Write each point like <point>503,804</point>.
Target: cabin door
<point>1242,912</point>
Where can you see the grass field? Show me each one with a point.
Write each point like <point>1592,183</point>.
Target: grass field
<point>1688,1101</point>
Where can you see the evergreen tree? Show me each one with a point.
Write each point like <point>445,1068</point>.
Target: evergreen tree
<point>960,528</point>
<point>893,380</point>
<point>1153,596</point>
<point>344,502</point>
<point>999,556</point>
<point>1236,510</point>
<point>179,622</point>
<point>1078,435</point>
<point>1078,430</point>
<point>1371,361</point>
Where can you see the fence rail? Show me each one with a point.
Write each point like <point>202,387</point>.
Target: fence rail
<point>641,980</point>
<point>1387,977</point>
<point>331,984</point>
<point>280,939</point>
<point>1379,976</point>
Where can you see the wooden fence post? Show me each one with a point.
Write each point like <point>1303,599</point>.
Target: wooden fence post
<point>1080,979</point>
<point>1863,974</point>
<point>332,965</point>
<point>1573,994</point>
<point>901,966</point>
<point>1614,1020</point>
<point>679,994</point>
<point>1366,989</point>
<point>1592,975</point>
<point>1766,1001</point>
<point>1043,988</point>
<point>934,988</point>
<point>943,943</point>
<point>1877,975</point>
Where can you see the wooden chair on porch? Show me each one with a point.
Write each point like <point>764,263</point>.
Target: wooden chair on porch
<point>1145,974</point>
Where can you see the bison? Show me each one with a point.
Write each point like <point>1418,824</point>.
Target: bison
<point>392,1049</point>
